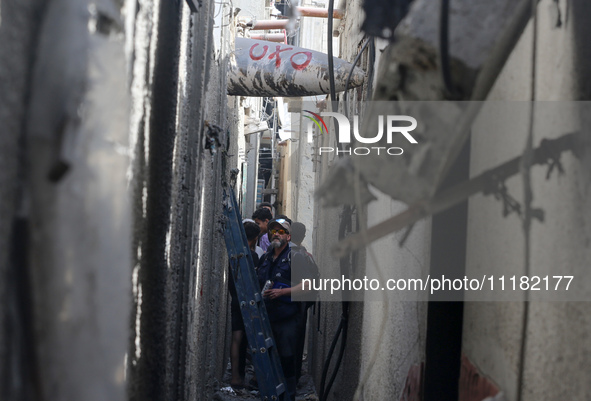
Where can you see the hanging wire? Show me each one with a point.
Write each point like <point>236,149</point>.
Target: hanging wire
<point>342,330</point>
<point>526,164</point>
<point>370,68</point>
<point>330,51</point>
<point>345,106</point>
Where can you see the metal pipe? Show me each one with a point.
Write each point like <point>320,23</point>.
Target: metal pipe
<point>271,37</point>
<point>317,12</point>
<point>261,68</point>
<point>268,24</point>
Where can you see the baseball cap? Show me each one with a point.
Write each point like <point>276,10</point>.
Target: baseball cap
<point>280,222</point>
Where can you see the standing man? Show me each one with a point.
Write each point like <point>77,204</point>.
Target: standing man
<point>261,217</point>
<point>284,315</point>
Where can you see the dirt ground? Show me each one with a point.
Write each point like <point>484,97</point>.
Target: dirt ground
<point>305,390</point>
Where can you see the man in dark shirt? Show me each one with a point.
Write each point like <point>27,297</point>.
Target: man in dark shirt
<point>285,316</point>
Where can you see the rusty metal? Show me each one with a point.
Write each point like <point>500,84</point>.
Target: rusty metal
<point>268,24</point>
<point>271,37</point>
<point>319,12</point>
<point>261,68</point>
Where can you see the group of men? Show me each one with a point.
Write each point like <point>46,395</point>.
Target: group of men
<point>277,250</point>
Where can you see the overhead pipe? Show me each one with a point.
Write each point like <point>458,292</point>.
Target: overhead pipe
<point>261,68</point>
<point>319,12</point>
<point>268,24</point>
<point>271,37</point>
<point>314,12</point>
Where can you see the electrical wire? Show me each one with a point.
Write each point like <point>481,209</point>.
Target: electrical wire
<point>342,329</point>
<point>345,106</point>
<point>370,68</point>
<point>333,95</point>
<point>345,319</point>
<point>328,359</point>
<point>330,51</point>
<point>525,167</point>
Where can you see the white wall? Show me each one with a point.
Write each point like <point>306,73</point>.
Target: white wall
<point>557,336</point>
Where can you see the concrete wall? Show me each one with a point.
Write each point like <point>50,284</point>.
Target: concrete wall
<point>80,221</point>
<point>556,334</point>
<point>119,184</point>
<point>386,336</point>
<point>393,329</point>
<point>19,26</point>
<point>180,161</point>
<point>556,339</point>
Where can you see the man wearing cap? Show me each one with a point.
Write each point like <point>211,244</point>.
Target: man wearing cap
<point>284,315</point>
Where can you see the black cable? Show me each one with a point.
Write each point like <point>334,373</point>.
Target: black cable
<point>328,358</point>
<point>451,90</point>
<point>345,321</point>
<point>346,109</point>
<point>333,95</point>
<point>330,52</point>
<point>346,223</point>
<point>370,68</point>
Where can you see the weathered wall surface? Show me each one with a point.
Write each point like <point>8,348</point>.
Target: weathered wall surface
<point>180,161</point>
<point>386,336</point>
<point>123,107</point>
<point>557,334</point>
<point>80,221</point>
<point>393,329</point>
<point>19,21</point>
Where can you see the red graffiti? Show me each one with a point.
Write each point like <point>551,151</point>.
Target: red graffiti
<point>252,56</point>
<point>276,55</point>
<point>302,65</point>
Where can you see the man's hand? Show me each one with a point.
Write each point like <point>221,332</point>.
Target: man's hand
<point>276,293</point>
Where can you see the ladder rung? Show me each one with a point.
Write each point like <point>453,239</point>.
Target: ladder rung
<point>269,342</point>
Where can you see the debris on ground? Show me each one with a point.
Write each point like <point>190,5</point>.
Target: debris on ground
<point>305,390</point>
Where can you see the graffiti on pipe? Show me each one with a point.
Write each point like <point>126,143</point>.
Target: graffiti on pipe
<point>262,68</point>
<point>276,55</point>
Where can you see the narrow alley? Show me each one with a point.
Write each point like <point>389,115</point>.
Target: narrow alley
<point>307,200</point>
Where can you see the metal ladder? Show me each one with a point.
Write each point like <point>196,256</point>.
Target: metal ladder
<point>256,322</point>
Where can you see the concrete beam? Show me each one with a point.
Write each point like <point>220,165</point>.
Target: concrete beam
<point>482,35</point>
<point>478,32</point>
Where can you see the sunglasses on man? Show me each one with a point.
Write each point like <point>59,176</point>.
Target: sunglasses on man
<point>280,232</point>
